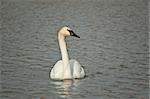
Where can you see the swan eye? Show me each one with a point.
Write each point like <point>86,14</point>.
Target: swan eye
<point>71,32</point>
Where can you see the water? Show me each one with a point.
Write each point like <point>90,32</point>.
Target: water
<point>113,48</point>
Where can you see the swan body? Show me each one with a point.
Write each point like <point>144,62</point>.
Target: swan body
<point>65,68</point>
<point>76,70</point>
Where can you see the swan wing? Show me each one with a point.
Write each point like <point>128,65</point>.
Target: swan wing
<point>77,69</point>
<point>57,70</point>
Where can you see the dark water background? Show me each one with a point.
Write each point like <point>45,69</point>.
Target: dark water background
<point>113,48</point>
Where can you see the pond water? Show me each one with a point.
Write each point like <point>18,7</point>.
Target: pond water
<point>113,48</point>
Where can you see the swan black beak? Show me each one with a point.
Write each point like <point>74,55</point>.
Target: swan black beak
<point>73,34</point>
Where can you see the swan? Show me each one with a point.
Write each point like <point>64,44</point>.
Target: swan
<point>65,68</point>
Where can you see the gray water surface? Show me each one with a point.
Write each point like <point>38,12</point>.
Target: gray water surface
<point>113,48</point>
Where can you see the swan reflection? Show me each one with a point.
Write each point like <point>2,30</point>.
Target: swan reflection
<point>65,88</point>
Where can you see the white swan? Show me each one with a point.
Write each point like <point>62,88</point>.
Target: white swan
<point>65,68</point>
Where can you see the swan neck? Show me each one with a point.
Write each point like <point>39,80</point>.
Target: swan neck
<point>66,66</point>
<point>63,48</point>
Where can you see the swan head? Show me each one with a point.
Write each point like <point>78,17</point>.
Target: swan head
<point>66,31</point>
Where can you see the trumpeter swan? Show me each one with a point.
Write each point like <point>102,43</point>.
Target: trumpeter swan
<point>65,68</point>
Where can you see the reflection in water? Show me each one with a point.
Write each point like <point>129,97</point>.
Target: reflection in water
<point>64,87</point>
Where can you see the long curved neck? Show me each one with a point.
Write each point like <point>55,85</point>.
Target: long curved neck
<point>63,49</point>
<point>65,58</point>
